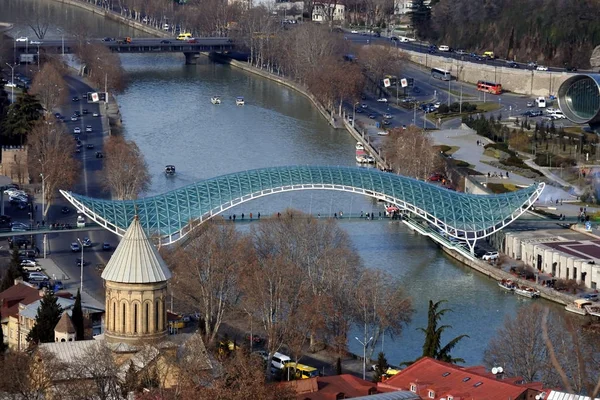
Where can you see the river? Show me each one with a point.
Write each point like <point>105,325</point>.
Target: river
<point>167,111</point>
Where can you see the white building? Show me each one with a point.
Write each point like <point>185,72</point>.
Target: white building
<point>328,12</point>
<point>402,7</point>
<point>564,254</point>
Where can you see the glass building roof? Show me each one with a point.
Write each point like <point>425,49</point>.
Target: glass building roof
<point>169,214</point>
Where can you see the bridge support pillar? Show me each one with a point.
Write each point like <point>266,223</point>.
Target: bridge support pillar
<point>191,58</point>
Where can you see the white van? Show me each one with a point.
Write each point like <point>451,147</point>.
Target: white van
<point>444,48</point>
<point>279,361</point>
<point>80,221</point>
<point>541,102</point>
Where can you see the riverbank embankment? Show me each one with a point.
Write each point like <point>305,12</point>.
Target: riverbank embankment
<point>109,14</point>
<point>335,122</point>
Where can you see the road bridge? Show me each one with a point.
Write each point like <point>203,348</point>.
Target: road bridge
<point>191,48</point>
<point>173,215</point>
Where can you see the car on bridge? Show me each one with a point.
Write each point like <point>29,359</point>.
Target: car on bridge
<point>184,36</point>
<point>165,41</point>
<point>35,42</point>
<point>19,227</point>
<point>22,39</point>
<point>108,39</point>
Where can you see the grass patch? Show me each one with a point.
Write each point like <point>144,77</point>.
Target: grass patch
<point>574,130</point>
<point>447,150</point>
<point>481,108</point>
<point>500,188</point>
<point>487,107</point>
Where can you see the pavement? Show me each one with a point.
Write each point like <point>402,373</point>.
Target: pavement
<point>473,153</point>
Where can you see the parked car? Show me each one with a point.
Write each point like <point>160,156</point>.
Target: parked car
<point>541,68</point>
<point>382,100</point>
<point>37,276</point>
<point>490,256</point>
<point>31,268</point>
<point>530,104</point>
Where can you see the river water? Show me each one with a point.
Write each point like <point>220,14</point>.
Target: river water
<point>167,111</point>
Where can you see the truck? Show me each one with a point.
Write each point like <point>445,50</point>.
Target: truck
<point>27,58</point>
<point>126,40</point>
<point>541,102</point>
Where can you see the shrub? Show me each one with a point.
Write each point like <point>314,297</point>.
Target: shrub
<point>455,107</point>
<point>443,109</point>
<point>444,148</point>
<point>461,163</point>
<point>468,107</point>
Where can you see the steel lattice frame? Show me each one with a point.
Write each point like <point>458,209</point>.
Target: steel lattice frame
<point>172,215</point>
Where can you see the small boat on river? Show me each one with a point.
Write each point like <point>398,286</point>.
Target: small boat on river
<point>593,310</point>
<point>507,284</point>
<point>215,100</point>
<point>578,306</point>
<point>239,101</point>
<point>170,170</point>
<point>527,291</point>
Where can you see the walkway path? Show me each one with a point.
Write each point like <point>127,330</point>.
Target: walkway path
<point>472,153</point>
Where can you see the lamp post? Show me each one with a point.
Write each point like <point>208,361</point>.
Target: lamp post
<point>364,354</point>
<point>45,242</point>
<point>62,37</point>
<point>12,82</point>
<point>81,268</point>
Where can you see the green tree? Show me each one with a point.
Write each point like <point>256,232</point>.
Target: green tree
<point>433,335</point>
<point>12,272</point>
<point>20,118</point>
<point>77,317</point>
<point>421,18</point>
<point>48,315</point>
<point>381,367</point>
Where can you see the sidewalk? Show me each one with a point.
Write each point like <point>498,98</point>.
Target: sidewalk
<point>71,284</point>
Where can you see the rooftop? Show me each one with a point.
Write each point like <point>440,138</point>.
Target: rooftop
<point>135,259</point>
<point>20,293</point>
<point>65,325</point>
<point>435,379</point>
<point>330,387</point>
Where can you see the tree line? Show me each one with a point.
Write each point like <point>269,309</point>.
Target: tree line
<point>558,33</point>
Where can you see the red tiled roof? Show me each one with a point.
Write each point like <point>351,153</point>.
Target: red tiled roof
<point>11,297</point>
<point>446,379</point>
<point>328,387</point>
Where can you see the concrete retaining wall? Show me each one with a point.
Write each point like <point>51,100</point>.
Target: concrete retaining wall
<point>531,83</point>
<point>115,17</point>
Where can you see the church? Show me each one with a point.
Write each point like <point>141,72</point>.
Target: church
<point>136,329</point>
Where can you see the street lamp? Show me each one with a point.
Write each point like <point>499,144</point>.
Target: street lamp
<point>81,268</point>
<point>12,82</point>
<point>62,36</point>
<point>364,355</point>
<point>354,112</point>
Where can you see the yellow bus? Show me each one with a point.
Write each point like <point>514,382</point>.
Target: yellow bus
<point>489,54</point>
<point>184,36</point>
<point>304,371</point>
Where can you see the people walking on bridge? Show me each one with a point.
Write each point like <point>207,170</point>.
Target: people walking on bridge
<point>258,215</point>
<point>335,215</point>
<point>242,216</point>
<point>250,216</point>
<point>233,217</point>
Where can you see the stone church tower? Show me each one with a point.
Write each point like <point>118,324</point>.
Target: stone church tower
<point>136,291</point>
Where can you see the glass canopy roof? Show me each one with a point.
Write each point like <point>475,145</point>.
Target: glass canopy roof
<point>174,213</point>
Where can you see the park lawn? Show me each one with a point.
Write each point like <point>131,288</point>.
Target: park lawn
<point>481,108</point>
<point>500,188</point>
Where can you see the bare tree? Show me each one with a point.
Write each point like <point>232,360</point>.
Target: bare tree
<point>380,60</point>
<point>50,87</point>
<point>380,307</point>
<point>102,66</point>
<point>207,271</point>
<point>38,18</point>
<point>28,378</point>
<point>410,152</point>
<point>97,373</point>
<point>126,173</point>
<point>51,156</point>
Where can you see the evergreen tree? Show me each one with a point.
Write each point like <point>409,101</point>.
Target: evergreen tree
<point>380,368</point>
<point>433,335</point>
<point>77,317</point>
<point>421,18</point>
<point>48,315</point>
<point>20,118</point>
<point>132,380</point>
<point>12,272</point>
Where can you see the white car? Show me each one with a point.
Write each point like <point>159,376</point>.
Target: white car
<point>77,130</point>
<point>530,104</point>
<point>382,100</point>
<point>11,85</point>
<point>95,114</point>
<point>353,31</point>
<point>542,68</point>
<point>363,105</point>
<point>490,256</point>
<point>31,268</point>
<point>22,39</point>
<point>387,116</point>
<point>437,105</point>
<point>383,133</point>
<point>73,118</point>
<point>35,42</point>
<point>557,115</point>
<point>88,128</point>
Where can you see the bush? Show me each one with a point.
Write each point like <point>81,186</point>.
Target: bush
<point>468,107</point>
<point>461,163</point>
<point>443,109</point>
<point>444,148</point>
<point>455,107</point>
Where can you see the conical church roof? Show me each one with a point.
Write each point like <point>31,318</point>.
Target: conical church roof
<point>65,325</point>
<point>135,259</point>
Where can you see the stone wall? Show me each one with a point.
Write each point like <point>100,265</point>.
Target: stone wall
<point>521,81</point>
<point>14,164</point>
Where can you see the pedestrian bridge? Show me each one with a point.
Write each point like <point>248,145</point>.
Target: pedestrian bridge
<point>171,216</point>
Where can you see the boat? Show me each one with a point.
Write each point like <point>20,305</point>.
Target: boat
<point>578,306</point>
<point>362,159</point>
<point>507,284</point>
<point>215,100</point>
<point>170,170</point>
<point>239,101</point>
<point>359,146</point>
<point>593,310</point>
<point>527,291</point>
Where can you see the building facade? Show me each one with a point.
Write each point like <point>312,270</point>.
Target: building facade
<point>325,12</point>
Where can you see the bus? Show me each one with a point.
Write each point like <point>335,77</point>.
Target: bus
<point>489,87</point>
<point>442,74</point>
